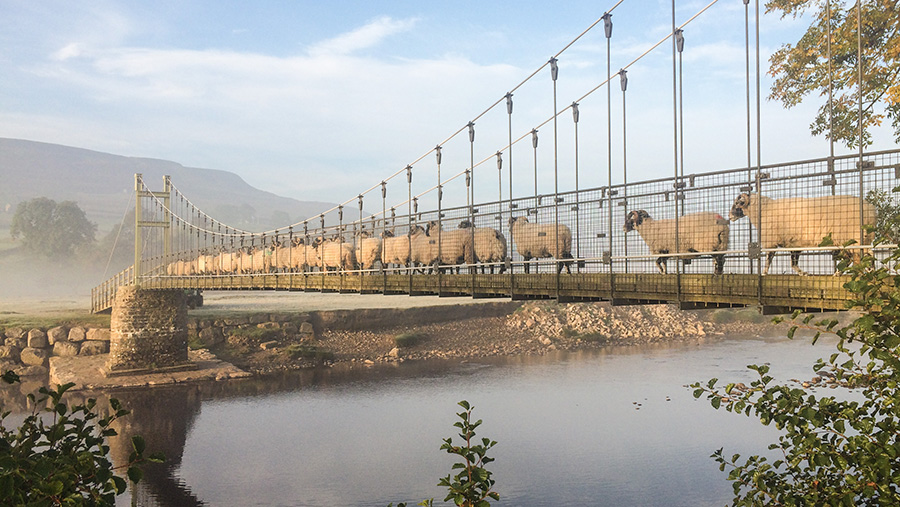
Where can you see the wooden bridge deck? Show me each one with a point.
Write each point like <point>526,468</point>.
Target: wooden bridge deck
<point>774,293</point>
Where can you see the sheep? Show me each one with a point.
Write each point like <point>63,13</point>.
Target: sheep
<point>396,250</point>
<point>455,246</point>
<point>368,250</point>
<point>489,245</point>
<point>227,262</point>
<point>540,241</point>
<point>705,231</point>
<point>335,254</point>
<point>303,256</point>
<point>424,249</point>
<point>804,222</point>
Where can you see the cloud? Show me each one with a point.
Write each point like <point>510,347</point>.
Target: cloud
<point>363,37</point>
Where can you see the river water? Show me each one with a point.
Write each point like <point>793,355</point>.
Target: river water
<point>612,427</point>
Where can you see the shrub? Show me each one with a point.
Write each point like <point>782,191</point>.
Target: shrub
<point>472,486</point>
<point>302,351</point>
<point>58,456</point>
<point>409,339</point>
<point>831,451</point>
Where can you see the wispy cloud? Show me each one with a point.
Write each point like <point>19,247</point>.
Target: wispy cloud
<point>363,37</point>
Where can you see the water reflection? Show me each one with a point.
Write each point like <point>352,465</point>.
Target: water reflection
<point>608,427</point>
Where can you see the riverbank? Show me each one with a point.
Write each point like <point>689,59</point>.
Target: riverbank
<point>262,333</point>
<point>367,337</point>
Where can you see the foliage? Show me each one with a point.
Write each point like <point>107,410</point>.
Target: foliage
<point>887,207</point>
<point>58,456</point>
<point>50,229</point>
<point>303,351</point>
<point>802,68</point>
<point>832,451</point>
<point>409,339</point>
<point>472,486</point>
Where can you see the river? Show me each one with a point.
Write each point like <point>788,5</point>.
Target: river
<point>612,427</point>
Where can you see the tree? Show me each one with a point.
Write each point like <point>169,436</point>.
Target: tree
<point>802,68</point>
<point>833,450</point>
<point>51,229</point>
<point>60,456</point>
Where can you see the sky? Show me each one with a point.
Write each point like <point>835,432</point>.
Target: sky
<point>323,100</point>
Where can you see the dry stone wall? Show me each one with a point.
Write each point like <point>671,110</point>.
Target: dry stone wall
<point>27,351</point>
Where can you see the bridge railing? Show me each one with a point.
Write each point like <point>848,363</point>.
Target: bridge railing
<point>103,295</point>
<point>594,218</point>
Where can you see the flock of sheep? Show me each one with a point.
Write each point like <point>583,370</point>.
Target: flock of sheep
<point>787,223</point>
<point>796,222</point>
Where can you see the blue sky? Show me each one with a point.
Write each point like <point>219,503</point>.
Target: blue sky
<point>322,100</point>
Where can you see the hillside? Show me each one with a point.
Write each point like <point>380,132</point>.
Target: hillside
<point>102,184</point>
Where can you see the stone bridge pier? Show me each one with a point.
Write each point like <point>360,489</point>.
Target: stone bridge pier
<point>148,332</point>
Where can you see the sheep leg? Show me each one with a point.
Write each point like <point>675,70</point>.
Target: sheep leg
<point>526,264</point>
<point>662,265</point>
<point>720,263</point>
<point>795,261</point>
<point>769,257</point>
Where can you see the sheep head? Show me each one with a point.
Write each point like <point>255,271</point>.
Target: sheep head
<point>432,226</point>
<point>513,220</point>
<point>316,242</point>
<point>739,207</point>
<point>387,234</point>
<point>634,218</point>
<point>465,224</point>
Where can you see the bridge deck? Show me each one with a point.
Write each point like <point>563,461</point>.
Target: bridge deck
<point>775,293</point>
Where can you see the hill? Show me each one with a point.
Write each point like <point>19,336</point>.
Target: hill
<point>102,184</point>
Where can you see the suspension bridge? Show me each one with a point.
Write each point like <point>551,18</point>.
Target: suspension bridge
<point>696,239</point>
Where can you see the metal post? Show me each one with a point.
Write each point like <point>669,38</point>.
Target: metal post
<point>859,81</point>
<point>138,188</point>
<point>608,30</point>
<point>409,203</point>
<point>440,197</point>
<point>575,115</point>
<point>471,179</point>
<point>554,73</point>
<point>830,100</point>
<point>749,137</point>
<point>509,111</point>
<point>623,82</point>
<point>677,180</point>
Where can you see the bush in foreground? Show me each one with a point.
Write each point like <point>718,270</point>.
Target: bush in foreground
<point>832,451</point>
<point>59,455</point>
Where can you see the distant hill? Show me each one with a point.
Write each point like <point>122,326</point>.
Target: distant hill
<point>102,184</point>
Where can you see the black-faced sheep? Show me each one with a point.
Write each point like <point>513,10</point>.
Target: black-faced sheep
<point>804,222</point>
<point>489,246</point>
<point>705,231</point>
<point>539,241</point>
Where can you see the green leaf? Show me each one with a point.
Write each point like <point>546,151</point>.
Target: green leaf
<point>139,445</point>
<point>135,474</point>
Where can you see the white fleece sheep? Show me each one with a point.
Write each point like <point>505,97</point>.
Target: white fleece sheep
<point>368,250</point>
<point>804,222</point>
<point>705,231</point>
<point>489,245</point>
<point>455,246</point>
<point>539,241</point>
<point>396,249</point>
<point>336,254</point>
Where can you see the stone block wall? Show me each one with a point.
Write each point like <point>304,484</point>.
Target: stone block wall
<point>148,329</point>
<point>27,351</point>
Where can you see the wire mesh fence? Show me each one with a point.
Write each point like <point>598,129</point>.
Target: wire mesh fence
<point>664,239</point>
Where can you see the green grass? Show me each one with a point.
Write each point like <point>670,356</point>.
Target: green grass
<point>301,351</point>
<point>594,337</point>
<point>409,339</point>
<point>46,322</point>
